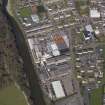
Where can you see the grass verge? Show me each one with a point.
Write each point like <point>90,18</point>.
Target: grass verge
<point>96,96</point>
<point>25,12</point>
<point>10,6</point>
<point>12,96</point>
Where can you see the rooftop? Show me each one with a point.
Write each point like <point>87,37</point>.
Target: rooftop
<point>58,89</point>
<point>94,13</point>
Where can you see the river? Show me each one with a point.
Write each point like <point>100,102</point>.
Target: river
<point>29,68</point>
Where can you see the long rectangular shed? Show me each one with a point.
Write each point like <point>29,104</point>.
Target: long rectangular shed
<point>58,89</point>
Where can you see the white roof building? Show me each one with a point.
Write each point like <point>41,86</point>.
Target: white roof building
<point>54,46</point>
<point>89,28</point>
<point>31,42</point>
<point>58,89</point>
<point>35,18</point>
<point>34,49</point>
<point>94,13</point>
<point>55,50</point>
<point>66,40</point>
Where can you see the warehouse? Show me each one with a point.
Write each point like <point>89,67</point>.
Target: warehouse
<point>58,89</point>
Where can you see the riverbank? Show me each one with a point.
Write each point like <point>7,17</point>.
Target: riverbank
<point>36,94</point>
<point>11,69</point>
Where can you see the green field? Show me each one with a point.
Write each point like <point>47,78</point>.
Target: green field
<point>96,97</point>
<point>11,96</point>
<point>25,12</point>
<point>82,7</point>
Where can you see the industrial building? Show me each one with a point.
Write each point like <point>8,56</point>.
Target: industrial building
<point>58,89</point>
<point>61,42</point>
<point>54,45</point>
